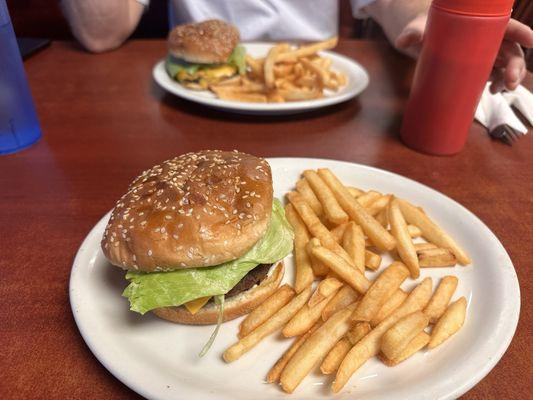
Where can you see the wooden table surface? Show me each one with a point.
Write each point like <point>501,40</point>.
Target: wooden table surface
<point>105,120</point>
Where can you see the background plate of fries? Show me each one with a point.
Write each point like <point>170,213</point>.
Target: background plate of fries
<point>160,360</point>
<point>292,84</point>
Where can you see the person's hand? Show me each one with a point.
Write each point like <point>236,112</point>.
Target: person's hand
<point>409,41</point>
<point>509,67</point>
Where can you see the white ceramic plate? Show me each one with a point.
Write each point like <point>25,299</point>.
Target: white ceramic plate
<point>158,359</point>
<point>356,75</point>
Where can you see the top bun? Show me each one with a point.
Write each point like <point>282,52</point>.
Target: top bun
<point>207,42</point>
<point>195,210</point>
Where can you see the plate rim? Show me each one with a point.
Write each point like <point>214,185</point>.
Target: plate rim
<point>469,383</point>
<point>158,73</point>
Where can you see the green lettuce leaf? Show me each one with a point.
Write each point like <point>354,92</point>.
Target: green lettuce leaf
<point>174,65</point>
<point>163,289</point>
<point>238,59</point>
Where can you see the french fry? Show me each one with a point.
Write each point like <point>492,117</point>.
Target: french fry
<point>274,97</point>
<point>398,336</point>
<point>353,241</point>
<point>305,318</point>
<point>338,352</point>
<point>308,50</point>
<point>404,244</point>
<point>237,95</point>
<point>332,209</point>
<point>355,192</point>
<point>319,269</point>
<point>418,343</point>
<point>451,321</point>
<point>380,291</point>
<point>377,206</point>
<point>358,332</point>
<point>383,218</point>
<point>235,80</point>
<point>338,232</point>
<point>432,258</point>
<point>274,323</point>
<point>344,297</point>
<point>299,94</point>
<point>366,199</point>
<point>242,86</point>
<point>256,65</point>
<point>315,348</point>
<point>324,289</point>
<point>302,187</point>
<point>372,260</point>
<point>341,78</point>
<point>304,271</point>
<point>270,60</point>
<point>432,232</point>
<point>348,274</point>
<point>331,362</point>
<point>275,372</point>
<point>322,75</point>
<point>414,231</point>
<point>281,70</point>
<point>265,310</point>
<point>392,303</point>
<point>368,346</point>
<point>440,299</point>
<point>316,227</point>
<point>424,246</point>
<point>377,234</point>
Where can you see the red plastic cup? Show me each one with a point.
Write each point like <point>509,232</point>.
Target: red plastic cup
<point>461,41</point>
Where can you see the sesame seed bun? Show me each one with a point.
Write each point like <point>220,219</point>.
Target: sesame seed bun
<point>234,306</point>
<point>207,42</point>
<point>195,210</point>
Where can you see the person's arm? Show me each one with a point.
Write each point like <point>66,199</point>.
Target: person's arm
<point>404,22</point>
<point>101,25</point>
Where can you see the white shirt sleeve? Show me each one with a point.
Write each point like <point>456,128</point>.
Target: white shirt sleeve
<point>357,8</point>
<point>145,3</point>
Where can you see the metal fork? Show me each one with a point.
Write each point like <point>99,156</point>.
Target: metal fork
<point>506,134</point>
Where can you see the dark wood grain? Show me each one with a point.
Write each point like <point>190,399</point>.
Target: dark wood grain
<point>104,121</point>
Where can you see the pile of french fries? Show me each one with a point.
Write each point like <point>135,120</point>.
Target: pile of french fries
<point>285,74</point>
<point>338,317</point>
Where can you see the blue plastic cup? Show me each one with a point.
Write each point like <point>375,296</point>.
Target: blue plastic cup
<point>19,127</point>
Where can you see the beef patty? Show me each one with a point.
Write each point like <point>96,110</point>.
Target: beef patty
<point>254,277</point>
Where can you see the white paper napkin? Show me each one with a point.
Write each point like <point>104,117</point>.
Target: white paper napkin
<point>495,109</point>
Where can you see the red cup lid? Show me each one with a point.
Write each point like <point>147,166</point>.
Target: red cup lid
<point>483,8</point>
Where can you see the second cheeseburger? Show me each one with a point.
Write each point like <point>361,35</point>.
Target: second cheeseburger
<point>199,234</point>
<point>204,53</point>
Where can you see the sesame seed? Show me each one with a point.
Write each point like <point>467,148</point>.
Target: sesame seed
<point>149,253</point>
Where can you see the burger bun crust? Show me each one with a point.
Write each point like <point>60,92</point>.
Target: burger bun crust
<point>207,42</point>
<point>196,210</point>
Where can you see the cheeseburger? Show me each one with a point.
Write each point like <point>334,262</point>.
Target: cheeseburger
<point>204,53</point>
<point>200,236</point>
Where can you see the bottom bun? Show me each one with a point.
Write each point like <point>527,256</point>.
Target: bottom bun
<point>234,307</point>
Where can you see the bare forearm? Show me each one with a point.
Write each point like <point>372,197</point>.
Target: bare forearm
<point>102,25</point>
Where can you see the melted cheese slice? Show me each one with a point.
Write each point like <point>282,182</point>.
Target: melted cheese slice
<point>194,305</point>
